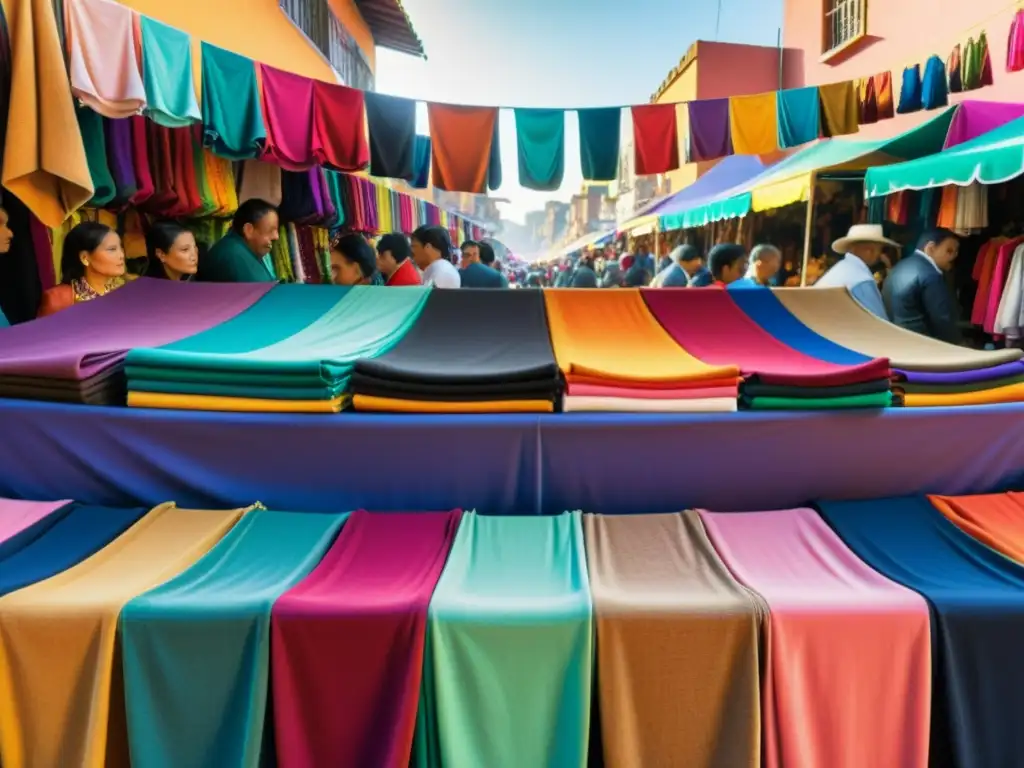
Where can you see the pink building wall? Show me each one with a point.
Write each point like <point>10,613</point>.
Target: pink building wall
<point>728,69</point>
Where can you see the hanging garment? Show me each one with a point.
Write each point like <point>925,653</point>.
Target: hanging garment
<point>1011,303</point>
<point>461,146</point>
<point>754,125</point>
<point>985,61</point>
<point>1015,44</point>
<point>167,74</point>
<point>392,127</point>
<point>839,109</point>
<point>799,116</point>
<point>540,135</point>
<point>260,180</point>
<point>162,165</point>
<point>494,166</point>
<point>232,116</point>
<point>956,66</point>
<point>947,207</point>
<point>910,90</point>
<point>339,133</point>
<point>599,143</point>
<point>102,61</point>
<point>287,101</point>
<point>934,93</point>
<point>1000,275</point>
<point>208,203</point>
<point>220,175</point>
<point>140,161</point>
<point>971,208</point>
<point>710,132</point>
<point>423,155</point>
<point>186,187</point>
<point>883,95</point>
<point>118,134</point>
<point>655,139</point>
<point>867,112</point>
<point>90,125</point>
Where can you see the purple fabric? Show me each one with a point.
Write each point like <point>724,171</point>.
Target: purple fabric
<point>1016,368</point>
<point>730,172</point>
<point>329,212</point>
<point>710,135</point>
<point>119,155</point>
<point>85,339</point>
<point>973,118</point>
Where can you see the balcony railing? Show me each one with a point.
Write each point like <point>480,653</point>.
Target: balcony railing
<point>845,21</point>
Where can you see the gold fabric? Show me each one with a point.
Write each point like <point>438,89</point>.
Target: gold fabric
<point>245,404</point>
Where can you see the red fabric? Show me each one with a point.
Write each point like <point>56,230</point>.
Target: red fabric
<point>339,127</point>
<point>288,113</point>
<point>406,274</point>
<point>186,187</point>
<point>140,161</point>
<point>165,196</point>
<point>655,138</point>
<point>710,326</point>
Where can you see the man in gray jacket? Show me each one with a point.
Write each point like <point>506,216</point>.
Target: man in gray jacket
<point>915,291</point>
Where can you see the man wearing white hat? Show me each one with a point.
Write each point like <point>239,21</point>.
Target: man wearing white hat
<point>862,248</point>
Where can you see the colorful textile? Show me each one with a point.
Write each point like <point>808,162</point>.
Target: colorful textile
<point>985,58</point>
<point>599,143</point>
<point>90,125</point>
<point>753,124</point>
<point>423,156</point>
<point>655,138</point>
<point>461,146</point>
<point>867,112</point>
<point>1011,393</point>
<point>167,74</point>
<point>118,135</point>
<point>799,116</point>
<point>494,405</point>
<point>361,617</point>
<point>710,132</point>
<point>883,95</point>
<point>1015,44</point>
<point>957,67</point>
<point>934,91</point>
<point>839,109</point>
<point>540,136</point>
<point>391,122</point>
<point>869,400</point>
<point>233,124</point>
<point>339,132</point>
<point>995,519</point>
<point>287,102</point>
<point>494,166</point>
<point>102,60</point>
<point>23,521</point>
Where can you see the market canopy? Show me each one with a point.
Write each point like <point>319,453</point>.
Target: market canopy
<point>589,239</point>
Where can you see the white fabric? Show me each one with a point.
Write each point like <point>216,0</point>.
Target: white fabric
<point>1010,317</point>
<point>442,274</point>
<point>583,403</point>
<point>104,67</point>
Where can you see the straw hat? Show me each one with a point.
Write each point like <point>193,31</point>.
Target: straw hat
<point>862,233</point>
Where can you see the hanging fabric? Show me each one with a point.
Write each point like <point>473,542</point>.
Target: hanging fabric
<point>90,125</point>
<point>710,131</point>
<point>260,180</point>
<point>423,154</point>
<point>140,161</point>
<point>1015,44</point>
<point>839,109</point>
<point>883,96</point>
<point>287,102</point>
<point>185,184</point>
<point>934,93</point>
<point>167,74</point>
<point>985,57</point>
<point>494,165</point>
<point>799,116</point>
<point>867,104</point>
<point>208,203</point>
<point>339,133</point>
<point>232,117</point>
<point>161,154</point>
<point>754,125</point>
<point>910,91</point>
<point>600,134</point>
<point>540,138</point>
<point>957,66</point>
<point>461,138</point>
<point>5,79</point>
<point>103,63</point>
<point>655,138</point>
<point>118,135</point>
<point>392,127</point>
<point>970,68</point>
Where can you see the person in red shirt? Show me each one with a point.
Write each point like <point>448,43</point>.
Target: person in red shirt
<point>394,260</point>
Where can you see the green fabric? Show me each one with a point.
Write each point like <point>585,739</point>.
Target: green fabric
<point>232,114</point>
<point>156,376</point>
<point>540,135</point>
<point>956,389</point>
<point>207,202</point>
<point>204,385</point>
<point>508,660</point>
<point>337,202</point>
<point>231,261</point>
<point>600,131</point>
<point>728,208</point>
<point>167,74</point>
<point>970,66</point>
<point>876,400</point>
<point>90,124</point>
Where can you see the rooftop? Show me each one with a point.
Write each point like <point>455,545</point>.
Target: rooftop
<point>391,26</point>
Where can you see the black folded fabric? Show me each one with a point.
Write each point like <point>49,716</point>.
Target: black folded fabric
<point>749,390</point>
<point>403,390</point>
<point>106,388</point>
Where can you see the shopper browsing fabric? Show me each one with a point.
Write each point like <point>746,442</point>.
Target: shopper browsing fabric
<point>171,251</point>
<point>916,294</point>
<point>394,260</point>
<point>476,270</point>
<point>238,256</point>
<point>353,261</point>
<point>92,264</point>
<point>765,263</point>
<point>728,263</point>
<point>584,275</point>
<point>6,236</point>
<point>862,249</point>
<point>431,247</point>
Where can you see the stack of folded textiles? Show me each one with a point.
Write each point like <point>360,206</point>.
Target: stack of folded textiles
<point>77,355</point>
<point>710,326</point>
<point>292,352</point>
<point>616,357</point>
<point>1002,383</point>
<point>471,351</point>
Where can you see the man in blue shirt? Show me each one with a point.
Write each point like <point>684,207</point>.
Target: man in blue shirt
<point>862,248</point>
<point>477,270</point>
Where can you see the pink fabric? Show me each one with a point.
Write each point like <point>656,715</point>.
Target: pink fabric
<point>979,312</point>
<point>288,113</point>
<point>973,118</point>
<point>998,285</point>
<point>598,390</point>
<point>17,516</point>
<point>1015,47</point>
<point>847,680</point>
<point>102,59</point>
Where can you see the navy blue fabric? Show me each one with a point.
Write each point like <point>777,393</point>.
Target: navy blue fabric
<point>81,531</point>
<point>976,598</point>
<point>23,538</point>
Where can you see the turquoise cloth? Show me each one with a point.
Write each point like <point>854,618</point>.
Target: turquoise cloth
<point>167,74</point>
<point>231,261</point>
<point>541,141</point>
<point>90,125</point>
<point>600,131</point>
<point>507,668</point>
<point>799,116</point>
<point>232,115</point>
<point>196,650</point>
<point>3,320</point>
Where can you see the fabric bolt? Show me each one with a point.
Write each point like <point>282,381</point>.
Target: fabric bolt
<point>839,109</point>
<point>231,104</point>
<point>540,137</point>
<point>64,708</point>
<point>600,131</point>
<point>461,145</point>
<point>677,645</point>
<point>799,116</point>
<point>584,403</point>
<point>910,90</point>
<point>140,162</point>
<point>756,389</point>
<point>425,390</point>
<point>976,596</point>
<point>884,96</point>
<point>261,180</point>
<point>359,617</point>
<point>492,405</point>
<point>994,519</point>
<point>934,93</point>
<point>507,668</point>
<point>287,101</point>
<point>655,138</point>
<point>392,128</point>
<point>951,389</point>
<point>339,134</point>
<point>824,603</point>
<point>90,124</point>
<point>753,124</point>
<point>977,377</point>
<point>710,131</point>
<point>603,390</point>
<point>21,522</point>
<point>1008,394</point>
<point>167,74</point>
<point>800,402</point>
<point>102,60</point>
<point>190,402</point>
<point>197,680</point>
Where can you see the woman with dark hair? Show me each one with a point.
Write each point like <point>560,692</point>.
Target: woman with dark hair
<point>6,236</point>
<point>91,265</point>
<point>172,251</point>
<point>353,261</point>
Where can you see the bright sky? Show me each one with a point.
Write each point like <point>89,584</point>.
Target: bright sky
<point>558,53</point>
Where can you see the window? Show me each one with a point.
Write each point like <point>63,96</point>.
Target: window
<point>329,36</point>
<point>845,21</point>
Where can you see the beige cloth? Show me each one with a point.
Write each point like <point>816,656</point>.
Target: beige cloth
<point>261,180</point>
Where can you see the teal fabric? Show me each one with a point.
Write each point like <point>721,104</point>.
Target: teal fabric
<point>3,320</point>
<point>600,133</point>
<point>508,662</point>
<point>232,115</point>
<point>196,650</point>
<point>167,74</point>
<point>231,261</point>
<point>155,376</point>
<point>541,141</point>
<point>203,386</point>
<point>799,116</point>
<point>90,125</point>
<point>494,164</point>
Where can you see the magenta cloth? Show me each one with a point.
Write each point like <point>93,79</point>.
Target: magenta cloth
<point>710,134</point>
<point>973,118</point>
<point>18,516</point>
<point>711,327</point>
<point>848,651</point>
<point>88,338</point>
<point>288,113</point>
<point>980,376</point>
<point>1015,44</point>
<point>347,643</point>
<point>598,390</point>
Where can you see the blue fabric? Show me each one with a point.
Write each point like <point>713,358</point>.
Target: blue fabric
<point>422,152</point>
<point>799,116</point>
<point>934,93</point>
<point>743,282</point>
<point>26,536</point>
<point>3,320</point>
<point>540,135</point>
<point>196,650</point>
<point>80,532</point>
<point>976,597</point>
<point>868,296</point>
<point>910,90</point>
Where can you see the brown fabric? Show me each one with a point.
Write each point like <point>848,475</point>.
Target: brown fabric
<point>836,315</point>
<point>677,645</point>
<point>883,95</point>
<point>461,146</point>
<point>839,108</point>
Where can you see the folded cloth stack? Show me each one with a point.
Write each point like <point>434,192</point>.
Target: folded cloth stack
<point>77,355</point>
<point>711,327</point>
<point>470,351</point>
<point>291,352</point>
<point>616,357</point>
<point>999,384</point>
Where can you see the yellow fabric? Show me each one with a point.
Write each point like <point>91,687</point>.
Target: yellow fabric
<point>250,404</point>
<point>840,108</point>
<point>221,177</point>
<point>44,158</point>
<point>754,123</point>
<point>1012,393</point>
<point>785,192</point>
<point>394,405</point>
<point>61,698</point>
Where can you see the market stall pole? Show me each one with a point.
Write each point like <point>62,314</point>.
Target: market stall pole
<point>808,227</point>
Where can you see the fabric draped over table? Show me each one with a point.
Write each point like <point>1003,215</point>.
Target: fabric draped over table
<point>391,123</point>
<point>710,129</point>
<point>461,145</point>
<point>24,521</point>
<point>63,707</point>
<point>233,124</point>
<point>753,124</point>
<point>655,138</point>
<point>103,62</point>
<point>540,137</point>
<point>508,660</point>
<point>600,131</point>
<point>287,101</point>
<point>677,645</point>
<point>839,109</point>
<point>847,651</point>
<point>996,519</point>
<point>167,74</point>
<point>348,642</point>
<point>204,674</point>
<point>799,116</point>
<point>339,130</point>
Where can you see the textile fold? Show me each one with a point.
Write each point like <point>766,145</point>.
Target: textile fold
<point>540,135</point>
<point>600,131</point>
<point>655,138</point>
<point>461,140</point>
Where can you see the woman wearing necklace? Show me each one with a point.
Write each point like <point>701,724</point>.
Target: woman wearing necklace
<point>92,265</point>
<point>172,251</point>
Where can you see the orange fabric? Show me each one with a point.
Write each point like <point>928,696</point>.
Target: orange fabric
<point>395,405</point>
<point>1011,393</point>
<point>244,404</point>
<point>839,108</point>
<point>461,146</point>
<point>55,299</point>
<point>753,121</point>
<point>947,207</point>
<point>996,519</point>
<point>883,95</point>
